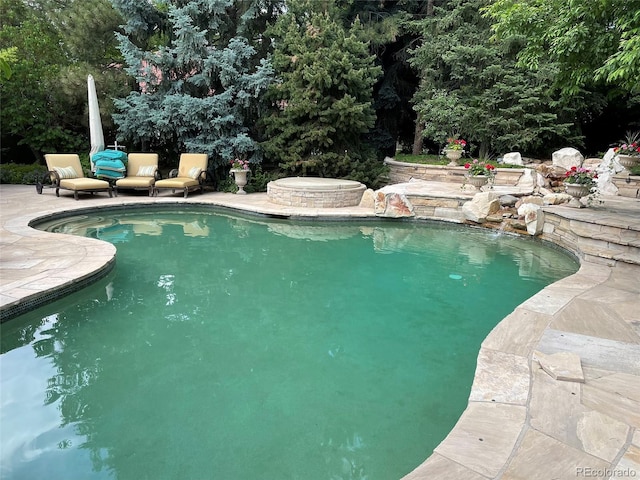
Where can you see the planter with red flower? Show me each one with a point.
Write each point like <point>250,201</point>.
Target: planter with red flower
<point>479,174</point>
<point>454,150</point>
<point>579,182</point>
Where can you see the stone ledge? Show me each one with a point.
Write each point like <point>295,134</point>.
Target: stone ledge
<point>400,172</point>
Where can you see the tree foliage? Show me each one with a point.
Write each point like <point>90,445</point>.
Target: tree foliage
<point>56,44</point>
<point>33,109</point>
<point>529,75</point>
<point>589,41</point>
<point>472,87</point>
<point>384,29</point>
<point>323,97</point>
<point>199,82</point>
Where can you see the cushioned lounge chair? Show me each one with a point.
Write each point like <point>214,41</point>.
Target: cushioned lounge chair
<point>65,172</point>
<point>142,172</point>
<point>189,175</point>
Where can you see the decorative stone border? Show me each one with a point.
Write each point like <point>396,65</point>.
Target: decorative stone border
<point>313,192</point>
<point>401,172</point>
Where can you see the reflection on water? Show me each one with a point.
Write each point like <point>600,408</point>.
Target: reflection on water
<point>257,349</point>
<point>120,230</point>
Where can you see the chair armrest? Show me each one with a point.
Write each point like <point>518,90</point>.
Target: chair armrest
<point>53,176</point>
<point>157,175</point>
<point>173,173</point>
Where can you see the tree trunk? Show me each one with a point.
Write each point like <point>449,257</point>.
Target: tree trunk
<point>417,137</point>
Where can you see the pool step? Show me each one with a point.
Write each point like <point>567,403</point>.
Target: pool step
<point>594,234</point>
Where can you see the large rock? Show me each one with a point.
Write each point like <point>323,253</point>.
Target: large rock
<point>556,198</point>
<point>392,204</point>
<point>513,158</point>
<point>606,170</point>
<point>508,200</point>
<point>482,205</point>
<point>533,217</point>
<point>528,180</point>
<point>537,200</point>
<point>368,199</point>
<point>567,158</point>
<point>540,180</point>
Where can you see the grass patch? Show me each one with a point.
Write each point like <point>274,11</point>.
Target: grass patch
<point>441,160</point>
<point>424,159</point>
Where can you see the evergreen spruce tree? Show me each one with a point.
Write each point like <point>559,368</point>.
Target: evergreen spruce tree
<point>471,86</point>
<point>384,27</point>
<point>199,82</point>
<point>322,99</point>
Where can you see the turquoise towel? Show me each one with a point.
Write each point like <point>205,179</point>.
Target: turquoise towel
<point>108,174</point>
<point>115,165</point>
<point>110,155</point>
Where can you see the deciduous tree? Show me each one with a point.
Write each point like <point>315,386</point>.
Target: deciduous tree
<point>471,86</point>
<point>589,41</point>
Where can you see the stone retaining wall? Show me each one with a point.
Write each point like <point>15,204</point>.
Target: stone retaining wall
<point>591,241</point>
<point>400,172</point>
<point>447,209</point>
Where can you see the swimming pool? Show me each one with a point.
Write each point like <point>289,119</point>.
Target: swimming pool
<point>232,347</point>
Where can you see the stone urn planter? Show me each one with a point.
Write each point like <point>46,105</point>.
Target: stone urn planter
<point>577,191</point>
<point>478,181</point>
<point>240,177</point>
<point>628,161</point>
<point>453,155</point>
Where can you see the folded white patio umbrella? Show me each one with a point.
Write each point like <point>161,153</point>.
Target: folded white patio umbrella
<point>95,123</point>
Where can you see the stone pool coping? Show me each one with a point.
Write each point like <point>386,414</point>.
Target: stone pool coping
<point>520,422</point>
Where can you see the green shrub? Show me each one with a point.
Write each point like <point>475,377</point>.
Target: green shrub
<point>21,174</point>
<point>258,179</point>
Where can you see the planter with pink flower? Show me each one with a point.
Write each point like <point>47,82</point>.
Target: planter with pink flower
<point>628,152</point>
<point>240,169</point>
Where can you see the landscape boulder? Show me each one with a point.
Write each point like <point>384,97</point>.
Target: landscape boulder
<point>482,205</point>
<point>391,204</point>
<point>567,158</point>
<point>513,158</point>
<point>533,217</point>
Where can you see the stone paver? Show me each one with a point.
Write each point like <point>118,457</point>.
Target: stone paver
<point>561,366</point>
<point>520,422</point>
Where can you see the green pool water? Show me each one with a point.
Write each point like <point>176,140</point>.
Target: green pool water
<point>224,347</point>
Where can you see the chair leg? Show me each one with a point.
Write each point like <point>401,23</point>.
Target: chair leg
<point>186,192</point>
<point>57,192</point>
<point>75,194</point>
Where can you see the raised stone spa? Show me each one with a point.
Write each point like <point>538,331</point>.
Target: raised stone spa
<point>315,192</point>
